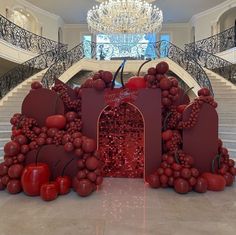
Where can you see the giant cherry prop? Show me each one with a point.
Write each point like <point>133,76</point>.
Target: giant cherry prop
<point>137,82</point>
<point>49,191</point>
<point>34,176</point>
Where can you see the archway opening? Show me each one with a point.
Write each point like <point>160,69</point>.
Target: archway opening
<point>121,141</point>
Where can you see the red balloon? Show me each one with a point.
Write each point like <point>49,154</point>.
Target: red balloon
<point>89,145</point>
<point>24,149</point>
<point>106,76</point>
<point>185,173</point>
<point>162,67</point>
<point>165,84</point>
<point>136,83</point>
<point>204,92</point>
<point>21,139</point>
<point>154,181</point>
<point>64,183</point>
<point>69,147</point>
<point>71,116</point>
<point>14,186</point>
<point>36,85</point>
<point>167,135</point>
<point>49,191</point>
<point>181,108</point>
<point>201,185</point>
<point>92,176</point>
<point>15,171</point>
<point>99,85</point>
<point>5,180</point>
<point>181,186</point>
<point>215,182</point>
<point>77,142</point>
<point>2,186</point>
<point>152,71</point>
<point>99,180</point>
<point>229,179</point>
<point>33,177</point>
<point>75,183</point>
<point>56,121</point>
<point>12,148</point>
<point>3,169</point>
<point>84,188</point>
<point>92,163</point>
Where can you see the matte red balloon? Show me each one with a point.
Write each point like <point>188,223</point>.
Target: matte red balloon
<point>15,171</point>
<point>89,145</point>
<point>3,169</point>
<point>92,163</point>
<point>154,181</point>
<point>84,188</point>
<point>12,148</point>
<point>14,186</point>
<point>201,185</point>
<point>56,121</point>
<point>181,186</point>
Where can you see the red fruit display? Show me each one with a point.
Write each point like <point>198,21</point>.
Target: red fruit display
<point>84,188</point>
<point>12,148</point>
<point>64,183</point>
<point>33,177</point>
<point>14,186</point>
<point>215,182</point>
<point>181,186</point>
<point>55,121</point>
<point>49,191</point>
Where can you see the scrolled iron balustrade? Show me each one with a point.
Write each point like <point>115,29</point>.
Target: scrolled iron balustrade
<point>138,52</point>
<point>66,60</point>
<point>216,43</point>
<point>216,64</point>
<point>25,39</point>
<point>27,69</point>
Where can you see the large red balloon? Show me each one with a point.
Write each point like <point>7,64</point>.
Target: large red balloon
<point>14,186</point>
<point>181,186</point>
<point>84,188</point>
<point>56,121</point>
<point>12,148</point>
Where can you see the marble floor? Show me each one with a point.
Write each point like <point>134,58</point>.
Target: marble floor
<point>121,207</point>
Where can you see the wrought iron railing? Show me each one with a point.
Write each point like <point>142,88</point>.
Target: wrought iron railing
<point>160,49</point>
<point>24,39</point>
<point>23,71</point>
<point>66,60</point>
<point>215,63</point>
<point>216,43</point>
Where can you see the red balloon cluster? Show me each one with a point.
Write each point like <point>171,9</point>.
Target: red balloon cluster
<point>99,81</point>
<point>89,175</point>
<point>157,78</point>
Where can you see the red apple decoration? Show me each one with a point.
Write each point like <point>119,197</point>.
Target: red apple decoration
<point>49,191</point>
<point>55,121</point>
<point>215,182</point>
<point>33,177</point>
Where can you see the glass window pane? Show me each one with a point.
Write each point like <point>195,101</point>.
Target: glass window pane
<point>87,39</point>
<point>164,49</point>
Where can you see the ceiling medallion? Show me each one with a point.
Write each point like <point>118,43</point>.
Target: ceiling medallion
<point>125,16</point>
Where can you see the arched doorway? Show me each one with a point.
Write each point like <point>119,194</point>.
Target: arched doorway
<point>121,141</point>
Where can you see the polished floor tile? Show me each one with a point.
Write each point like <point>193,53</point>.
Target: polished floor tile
<point>121,207</point>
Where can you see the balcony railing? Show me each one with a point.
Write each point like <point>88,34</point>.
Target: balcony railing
<point>140,51</point>
<point>24,39</point>
<point>216,43</point>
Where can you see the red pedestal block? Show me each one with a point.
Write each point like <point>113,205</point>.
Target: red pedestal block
<point>201,141</point>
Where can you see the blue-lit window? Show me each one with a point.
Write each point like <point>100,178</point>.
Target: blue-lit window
<point>87,39</point>
<point>139,46</point>
<point>165,44</point>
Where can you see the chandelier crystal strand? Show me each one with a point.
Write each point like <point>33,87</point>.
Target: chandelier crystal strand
<point>125,16</point>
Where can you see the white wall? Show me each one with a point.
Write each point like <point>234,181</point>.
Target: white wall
<point>229,55</point>
<point>180,33</point>
<point>49,22</point>
<point>205,21</point>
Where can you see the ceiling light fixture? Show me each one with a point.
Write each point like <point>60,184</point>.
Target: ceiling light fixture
<point>125,16</point>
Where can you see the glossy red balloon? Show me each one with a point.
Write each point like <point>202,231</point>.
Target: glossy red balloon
<point>14,186</point>
<point>201,185</point>
<point>2,186</point>
<point>89,145</point>
<point>21,139</point>
<point>99,85</point>
<point>36,85</point>
<point>181,186</point>
<point>56,121</point>
<point>136,83</point>
<point>12,148</point>
<point>92,163</point>
<point>167,135</point>
<point>165,84</point>
<point>215,182</point>
<point>64,183</point>
<point>181,108</point>
<point>229,178</point>
<point>162,67</point>
<point>15,171</point>
<point>84,188</point>
<point>3,169</point>
<point>154,181</point>
<point>49,191</point>
<point>33,177</point>
<point>106,76</point>
<point>204,92</point>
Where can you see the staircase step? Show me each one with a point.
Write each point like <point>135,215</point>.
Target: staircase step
<point>227,135</point>
<point>5,126</point>
<point>227,128</point>
<point>5,134</point>
<point>1,154</point>
<point>3,141</point>
<point>12,104</point>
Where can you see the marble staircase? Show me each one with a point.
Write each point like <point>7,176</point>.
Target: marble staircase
<point>11,105</point>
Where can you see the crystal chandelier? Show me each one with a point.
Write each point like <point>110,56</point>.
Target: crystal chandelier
<point>124,17</point>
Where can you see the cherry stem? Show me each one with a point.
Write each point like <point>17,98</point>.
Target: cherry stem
<point>139,70</point>
<point>116,74</point>
<point>165,121</point>
<point>67,164</point>
<point>218,157</point>
<point>37,155</point>
<point>176,157</point>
